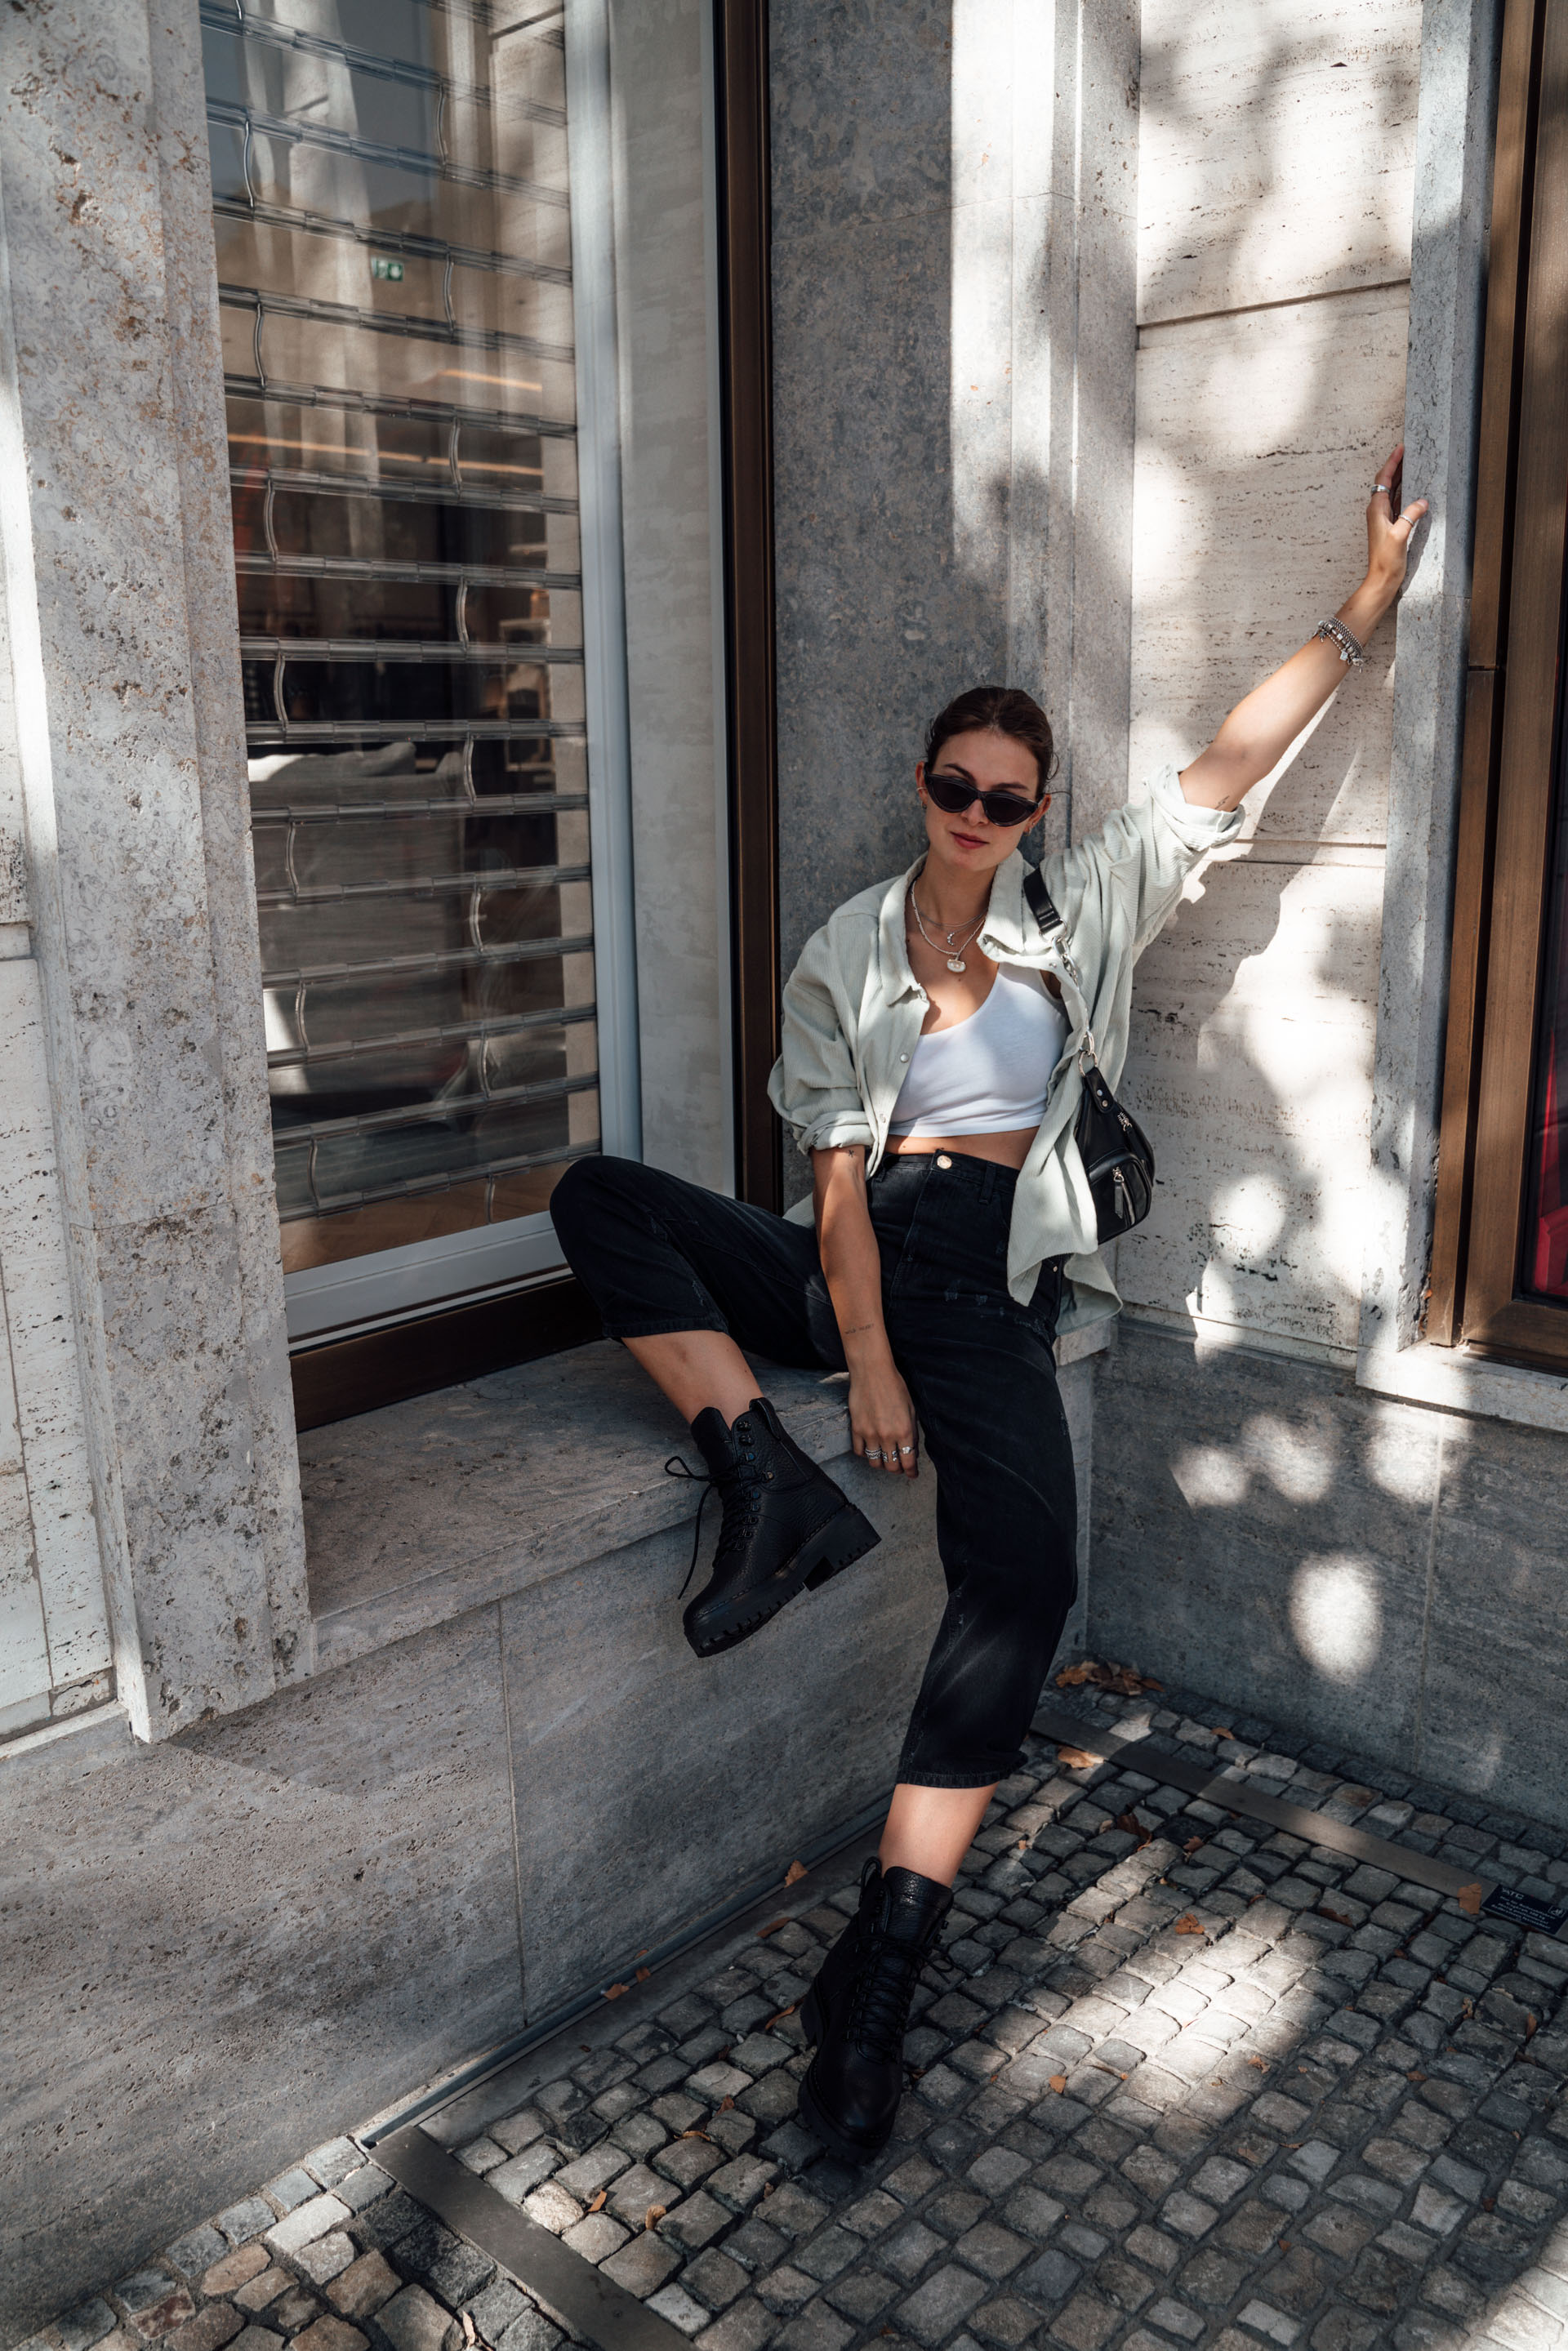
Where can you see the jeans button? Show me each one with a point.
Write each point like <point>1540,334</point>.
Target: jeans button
<point>943,1160</point>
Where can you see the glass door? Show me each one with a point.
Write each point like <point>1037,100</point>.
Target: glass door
<point>432,817</point>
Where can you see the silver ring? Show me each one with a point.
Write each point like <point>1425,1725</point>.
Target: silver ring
<point>906,1448</point>
<point>870,1455</point>
<point>1386,488</point>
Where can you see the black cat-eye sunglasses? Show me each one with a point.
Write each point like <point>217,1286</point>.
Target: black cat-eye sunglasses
<point>954,793</point>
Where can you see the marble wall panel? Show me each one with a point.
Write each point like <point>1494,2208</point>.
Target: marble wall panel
<point>861,102</point>
<point>662,293</point>
<point>1378,1574</point>
<point>1258,438</point>
<point>1250,1064</point>
<point>737,1760</point>
<point>224,1949</point>
<point>1262,1532</point>
<point>1492,1718</point>
<point>1277,151</point>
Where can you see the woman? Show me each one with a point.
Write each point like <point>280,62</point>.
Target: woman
<point>930,1071</point>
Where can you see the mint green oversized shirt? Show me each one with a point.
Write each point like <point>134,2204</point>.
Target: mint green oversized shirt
<point>854,1009</point>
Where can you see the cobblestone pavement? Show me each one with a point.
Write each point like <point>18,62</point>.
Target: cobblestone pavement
<point>1184,2083</point>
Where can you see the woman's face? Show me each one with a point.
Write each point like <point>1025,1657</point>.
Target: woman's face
<point>970,843</point>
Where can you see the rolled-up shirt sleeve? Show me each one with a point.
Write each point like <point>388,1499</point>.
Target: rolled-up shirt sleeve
<point>1178,836</point>
<point>813,1086</point>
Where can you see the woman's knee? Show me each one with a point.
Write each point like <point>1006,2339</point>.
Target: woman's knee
<point>592,1180</point>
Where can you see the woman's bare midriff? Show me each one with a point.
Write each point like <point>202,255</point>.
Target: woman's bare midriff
<point>1008,1150</point>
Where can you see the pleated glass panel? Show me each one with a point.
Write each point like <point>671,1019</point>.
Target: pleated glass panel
<point>393,244</point>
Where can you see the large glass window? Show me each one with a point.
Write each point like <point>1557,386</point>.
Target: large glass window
<point>394,247</point>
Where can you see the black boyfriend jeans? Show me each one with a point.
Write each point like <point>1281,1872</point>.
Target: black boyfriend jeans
<point>657,1254</point>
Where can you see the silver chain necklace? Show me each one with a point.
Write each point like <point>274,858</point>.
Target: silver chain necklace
<point>954,951</point>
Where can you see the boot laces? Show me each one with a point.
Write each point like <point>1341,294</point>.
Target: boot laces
<point>740,1493</point>
<point>884,1987</point>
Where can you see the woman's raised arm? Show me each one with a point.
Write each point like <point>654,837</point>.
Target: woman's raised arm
<point>1262,726</point>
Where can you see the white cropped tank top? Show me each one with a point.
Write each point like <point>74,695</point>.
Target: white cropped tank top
<point>989,1074</point>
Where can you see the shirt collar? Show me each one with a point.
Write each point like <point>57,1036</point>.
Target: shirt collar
<point>1004,925</point>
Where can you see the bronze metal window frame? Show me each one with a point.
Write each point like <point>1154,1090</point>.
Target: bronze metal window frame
<point>1503,846</point>
<point>745,341</point>
<point>352,1373</point>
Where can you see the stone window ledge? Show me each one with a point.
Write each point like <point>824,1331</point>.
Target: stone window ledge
<point>1459,1382</point>
<point>419,1512</point>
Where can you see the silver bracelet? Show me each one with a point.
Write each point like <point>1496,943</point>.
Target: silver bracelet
<point>1338,635</point>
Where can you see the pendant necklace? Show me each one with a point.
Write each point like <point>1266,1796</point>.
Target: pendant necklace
<point>954,951</point>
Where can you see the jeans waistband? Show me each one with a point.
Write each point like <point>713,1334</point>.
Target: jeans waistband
<point>981,1183</point>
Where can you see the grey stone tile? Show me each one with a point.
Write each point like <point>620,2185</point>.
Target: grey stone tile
<point>936,2308</point>
<point>87,2324</point>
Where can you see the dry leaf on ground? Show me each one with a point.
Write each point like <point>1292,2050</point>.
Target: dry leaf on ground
<point>1260,2063</point>
<point>691,2134</point>
<point>654,2212</point>
<point>470,2332</point>
<point>1123,1679</point>
<point>763,1932</point>
<point>1223,1734</point>
<point>724,2106</point>
<point>1192,1844</point>
<point>1073,1759</point>
<point>1530,2028</point>
<point>1337,1916</point>
<point>1187,1925</point>
<point>1130,1825</point>
<point>1059,2083</point>
<point>613,1992</point>
<point>643,1973</point>
<point>781,2015</point>
<point>596,2203</point>
<point>1468,1898</point>
<point>795,1873</point>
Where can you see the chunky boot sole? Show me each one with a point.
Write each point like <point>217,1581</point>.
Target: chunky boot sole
<point>846,1536</point>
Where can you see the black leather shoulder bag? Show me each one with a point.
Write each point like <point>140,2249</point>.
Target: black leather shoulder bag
<point>1118,1157</point>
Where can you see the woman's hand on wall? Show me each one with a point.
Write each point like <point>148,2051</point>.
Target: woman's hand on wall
<point>1389,529</point>
<point>1262,727</point>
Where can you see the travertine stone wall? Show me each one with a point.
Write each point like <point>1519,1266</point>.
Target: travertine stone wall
<point>1275,172</point>
<point>127,751</point>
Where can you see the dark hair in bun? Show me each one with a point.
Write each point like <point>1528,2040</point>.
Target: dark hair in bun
<point>998,710</point>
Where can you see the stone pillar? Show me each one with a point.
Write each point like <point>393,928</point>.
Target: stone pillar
<point>954,250</point>
<point>128,752</point>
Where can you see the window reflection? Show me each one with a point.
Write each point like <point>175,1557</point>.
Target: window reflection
<point>393,251</point>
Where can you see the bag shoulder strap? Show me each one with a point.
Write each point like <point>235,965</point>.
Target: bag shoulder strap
<point>1040,903</point>
<point>1047,914</point>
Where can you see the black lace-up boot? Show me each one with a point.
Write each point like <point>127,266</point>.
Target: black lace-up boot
<point>786,1525</point>
<point>857,2009</point>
